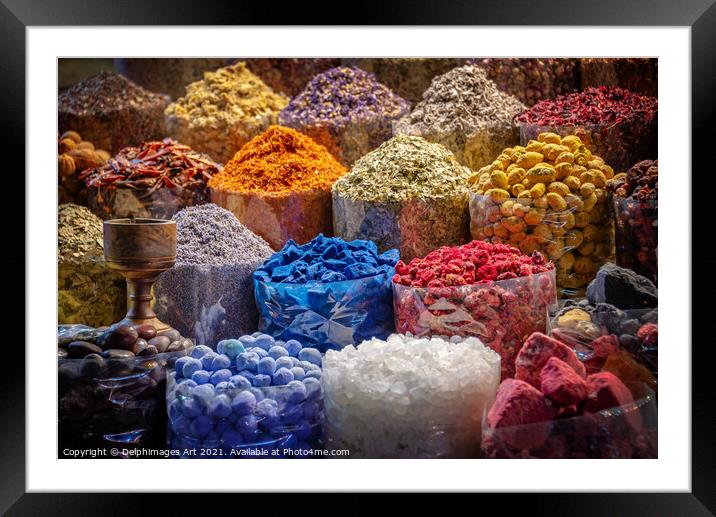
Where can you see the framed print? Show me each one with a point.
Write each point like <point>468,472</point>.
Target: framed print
<point>402,257</point>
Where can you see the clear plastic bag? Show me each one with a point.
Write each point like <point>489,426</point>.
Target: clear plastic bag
<point>279,217</point>
<point>415,227</point>
<point>637,235</point>
<point>207,302</point>
<point>606,338</point>
<point>326,315</point>
<point>578,239</point>
<point>628,431</point>
<point>502,313</point>
<point>116,403</point>
<point>261,430</point>
<point>620,145</point>
<point>162,203</point>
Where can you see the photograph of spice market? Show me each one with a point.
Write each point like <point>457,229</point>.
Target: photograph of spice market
<point>357,258</point>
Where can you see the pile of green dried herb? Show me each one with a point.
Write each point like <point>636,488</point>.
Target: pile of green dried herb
<point>89,292</point>
<point>408,194</point>
<point>468,114</point>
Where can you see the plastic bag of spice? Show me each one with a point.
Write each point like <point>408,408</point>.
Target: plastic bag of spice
<point>280,216</point>
<point>501,313</point>
<point>327,315</point>
<point>624,342</point>
<point>628,430</point>
<point>116,398</point>
<point>550,196</point>
<point>615,124</point>
<point>414,226</point>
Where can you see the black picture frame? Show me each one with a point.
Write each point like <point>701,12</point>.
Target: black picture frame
<point>700,15</point>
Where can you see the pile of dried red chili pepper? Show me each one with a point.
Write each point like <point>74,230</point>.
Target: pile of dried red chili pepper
<point>153,165</point>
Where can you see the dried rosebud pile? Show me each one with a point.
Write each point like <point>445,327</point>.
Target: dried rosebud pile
<point>492,291</point>
<point>616,124</point>
<point>469,264</point>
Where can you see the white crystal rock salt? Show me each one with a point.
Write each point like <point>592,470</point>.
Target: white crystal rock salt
<point>408,397</point>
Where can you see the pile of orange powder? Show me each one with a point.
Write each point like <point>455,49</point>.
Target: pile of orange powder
<point>277,161</point>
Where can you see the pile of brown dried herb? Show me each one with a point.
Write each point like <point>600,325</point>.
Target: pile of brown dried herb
<point>89,293</point>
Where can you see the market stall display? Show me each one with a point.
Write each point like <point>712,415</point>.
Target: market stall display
<point>73,156</point>
<point>252,396</point>
<point>467,113</point>
<point>167,75</point>
<point>409,397</point>
<point>88,292</point>
<point>223,111</point>
<point>639,75</point>
<point>408,194</point>
<point>279,186</point>
<point>111,385</point>
<point>289,75</point>
<point>112,112</point>
<point>208,294</point>
<point>328,293</point>
<point>532,79</point>
<point>408,77</point>
<point>636,207</point>
<point>491,291</point>
<point>155,180</point>
<point>549,195</point>
<point>347,111</point>
<point>616,124</point>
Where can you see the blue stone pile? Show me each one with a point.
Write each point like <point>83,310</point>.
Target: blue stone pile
<point>252,394</point>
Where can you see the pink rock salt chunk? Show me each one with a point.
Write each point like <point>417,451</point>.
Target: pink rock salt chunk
<point>536,352</point>
<point>561,383</point>
<point>517,405</point>
<point>605,391</point>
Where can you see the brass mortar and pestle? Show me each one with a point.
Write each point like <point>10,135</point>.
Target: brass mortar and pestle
<point>140,250</point>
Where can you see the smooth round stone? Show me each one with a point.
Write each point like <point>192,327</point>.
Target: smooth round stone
<point>172,334</point>
<point>200,351</point>
<point>190,408</point>
<point>139,346</point>
<point>91,365</point>
<point>298,392</point>
<point>293,347</point>
<point>220,362</point>
<point>261,380</point>
<point>282,377</point>
<point>225,387</point>
<point>201,426</point>
<point>267,366</point>
<point>315,374</point>
<point>284,362</point>
<point>277,351</point>
<point>201,377</point>
<point>207,359</point>
<point>313,388</point>
<point>149,350</point>
<point>221,406</point>
<point>240,382</point>
<point>298,373</point>
<point>246,424</point>
<point>220,376</point>
<point>160,343</point>
<point>243,403</point>
<point>122,337</point>
<point>117,353</point>
<point>259,352</point>
<point>190,367</point>
<point>146,332</point>
<point>311,355</point>
<point>264,341</point>
<point>79,349</point>
<point>231,348</point>
<point>248,341</point>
